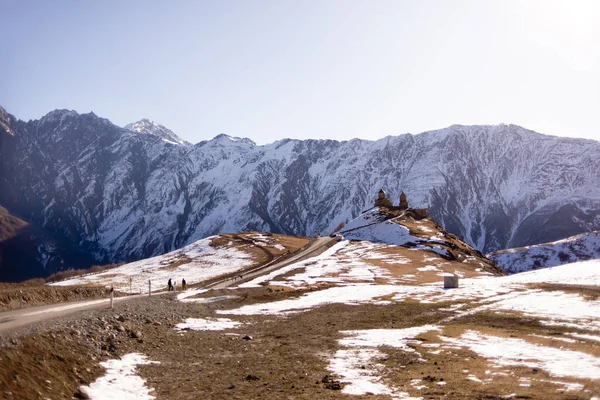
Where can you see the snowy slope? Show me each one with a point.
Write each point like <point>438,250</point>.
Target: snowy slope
<point>195,262</point>
<point>120,195</point>
<point>370,227</point>
<point>334,270</point>
<point>577,273</point>
<point>393,228</point>
<point>576,248</point>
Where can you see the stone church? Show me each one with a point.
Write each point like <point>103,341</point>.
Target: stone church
<point>383,201</point>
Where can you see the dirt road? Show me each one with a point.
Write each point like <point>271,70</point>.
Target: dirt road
<point>10,320</point>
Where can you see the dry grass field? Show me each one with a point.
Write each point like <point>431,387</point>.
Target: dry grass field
<point>290,356</point>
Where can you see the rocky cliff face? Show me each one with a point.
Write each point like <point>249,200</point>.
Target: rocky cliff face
<point>120,194</point>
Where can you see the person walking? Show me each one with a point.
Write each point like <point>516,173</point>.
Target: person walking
<point>183,284</point>
<point>170,285</point>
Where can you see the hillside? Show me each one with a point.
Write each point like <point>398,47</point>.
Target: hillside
<point>9,224</point>
<point>201,261</point>
<point>360,319</point>
<point>585,246</point>
<point>124,195</point>
<point>417,241</point>
<point>29,251</point>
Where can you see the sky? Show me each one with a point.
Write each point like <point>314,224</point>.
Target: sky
<point>331,69</point>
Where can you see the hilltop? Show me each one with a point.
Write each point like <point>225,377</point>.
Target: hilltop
<point>408,232</point>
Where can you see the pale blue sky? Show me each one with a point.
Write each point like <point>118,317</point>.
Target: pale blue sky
<point>305,68</point>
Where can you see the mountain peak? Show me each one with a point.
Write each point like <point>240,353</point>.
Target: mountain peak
<point>59,114</point>
<point>224,138</point>
<point>5,121</point>
<point>150,127</point>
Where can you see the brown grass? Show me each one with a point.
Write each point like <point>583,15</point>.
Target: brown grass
<point>180,259</point>
<point>588,292</point>
<point>70,273</point>
<point>261,253</point>
<point>450,364</point>
<point>36,295</point>
<point>45,364</point>
<point>288,355</point>
<point>511,321</point>
<point>32,282</point>
<point>9,224</point>
<point>458,249</point>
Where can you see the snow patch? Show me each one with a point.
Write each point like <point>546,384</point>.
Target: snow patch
<point>510,351</point>
<point>358,365</point>
<point>121,381</point>
<point>207,324</point>
<point>354,294</point>
<point>557,306</point>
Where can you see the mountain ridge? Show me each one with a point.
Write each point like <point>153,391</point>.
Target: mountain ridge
<point>582,247</point>
<point>123,196</point>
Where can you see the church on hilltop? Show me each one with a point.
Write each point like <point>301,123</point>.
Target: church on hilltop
<point>383,201</point>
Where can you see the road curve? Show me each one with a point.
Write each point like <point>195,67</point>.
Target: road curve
<point>14,319</point>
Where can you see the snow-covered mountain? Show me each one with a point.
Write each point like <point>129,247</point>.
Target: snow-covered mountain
<point>120,195</point>
<point>154,128</point>
<point>585,246</point>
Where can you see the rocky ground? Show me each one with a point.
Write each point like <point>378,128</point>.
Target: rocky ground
<point>53,358</point>
<point>271,357</point>
<point>264,359</point>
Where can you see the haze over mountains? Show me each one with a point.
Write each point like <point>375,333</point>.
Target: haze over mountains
<point>125,194</point>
